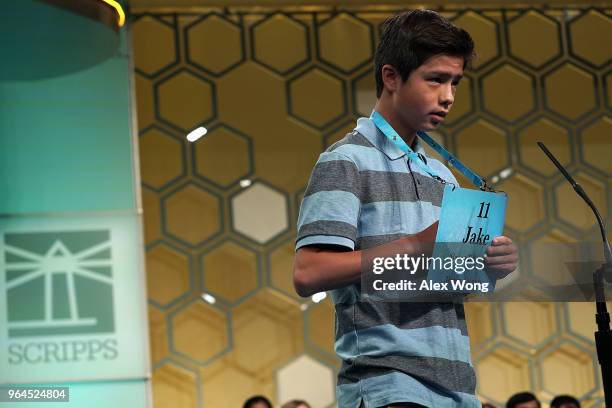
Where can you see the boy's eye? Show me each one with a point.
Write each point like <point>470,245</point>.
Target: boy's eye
<point>436,80</point>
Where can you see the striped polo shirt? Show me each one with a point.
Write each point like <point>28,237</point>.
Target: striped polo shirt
<point>362,193</point>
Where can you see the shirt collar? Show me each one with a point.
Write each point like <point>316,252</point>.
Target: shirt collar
<point>366,127</point>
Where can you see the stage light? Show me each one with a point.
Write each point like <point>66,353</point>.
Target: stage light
<point>317,297</point>
<point>505,173</point>
<point>245,183</point>
<point>196,134</point>
<point>207,297</point>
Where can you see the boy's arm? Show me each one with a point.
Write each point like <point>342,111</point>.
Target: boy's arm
<point>319,269</point>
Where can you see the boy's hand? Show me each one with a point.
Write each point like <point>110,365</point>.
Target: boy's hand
<point>501,257</point>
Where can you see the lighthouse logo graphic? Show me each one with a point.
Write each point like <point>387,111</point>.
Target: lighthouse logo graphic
<point>58,283</point>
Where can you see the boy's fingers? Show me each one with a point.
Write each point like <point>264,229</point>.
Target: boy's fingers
<point>501,260</point>
<point>501,240</point>
<point>501,250</point>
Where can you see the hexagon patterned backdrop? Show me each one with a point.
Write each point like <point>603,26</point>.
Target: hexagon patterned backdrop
<point>274,88</point>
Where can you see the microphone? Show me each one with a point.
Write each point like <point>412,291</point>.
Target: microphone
<point>578,188</point>
<point>603,335</point>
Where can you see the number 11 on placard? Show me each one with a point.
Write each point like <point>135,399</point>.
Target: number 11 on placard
<point>482,206</point>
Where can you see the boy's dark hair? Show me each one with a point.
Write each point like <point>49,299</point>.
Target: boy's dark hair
<point>254,400</point>
<point>520,398</point>
<point>408,39</point>
<point>564,399</point>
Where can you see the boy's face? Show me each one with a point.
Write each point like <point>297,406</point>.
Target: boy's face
<point>425,98</point>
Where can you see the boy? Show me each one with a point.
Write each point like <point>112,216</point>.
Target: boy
<point>365,193</point>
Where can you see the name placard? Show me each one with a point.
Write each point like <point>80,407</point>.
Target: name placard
<point>469,220</point>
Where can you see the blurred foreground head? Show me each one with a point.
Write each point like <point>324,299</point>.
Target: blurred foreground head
<point>257,401</point>
<point>296,404</point>
<point>523,400</point>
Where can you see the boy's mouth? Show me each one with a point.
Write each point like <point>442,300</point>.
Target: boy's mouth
<point>439,116</point>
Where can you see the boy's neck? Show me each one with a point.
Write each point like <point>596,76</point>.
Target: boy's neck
<point>405,132</point>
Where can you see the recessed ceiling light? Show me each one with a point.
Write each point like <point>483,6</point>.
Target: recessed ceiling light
<point>196,134</point>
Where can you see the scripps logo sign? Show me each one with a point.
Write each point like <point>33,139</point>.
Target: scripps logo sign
<point>59,285</point>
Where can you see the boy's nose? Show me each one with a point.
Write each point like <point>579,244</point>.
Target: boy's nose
<point>447,98</point>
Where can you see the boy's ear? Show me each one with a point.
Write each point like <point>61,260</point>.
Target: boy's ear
<point>391,78</point>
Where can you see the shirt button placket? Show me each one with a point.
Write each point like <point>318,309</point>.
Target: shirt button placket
<point>416,188</point>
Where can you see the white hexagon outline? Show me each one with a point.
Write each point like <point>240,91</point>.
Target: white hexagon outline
<point>305,121</point>
<point>170,361</point>
<point>183,295</point>
<point>247,295</point>
<point>247,237</point>
<point>559,39</point>
<point>183,157</point>
<point>515,350</point>
<point>264,64</point>
<point>318,41</point>
<point>250,153</point>
<point>555,346</point>
<point>545,105</point>
<point>164,220</point>
<point>228,328</point>
<point>294,360</point>
<point>157,111</point>
<point>174,63</point>
<point>196,65</point>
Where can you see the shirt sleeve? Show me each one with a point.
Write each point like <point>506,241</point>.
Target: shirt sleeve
<point>330,209</point>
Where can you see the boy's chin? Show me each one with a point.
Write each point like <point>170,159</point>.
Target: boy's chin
<point>428,126</point>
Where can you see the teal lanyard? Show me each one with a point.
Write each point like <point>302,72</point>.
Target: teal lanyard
<point>396,139</point>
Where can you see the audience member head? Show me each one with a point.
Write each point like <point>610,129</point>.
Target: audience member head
<point>258,401</point>
<point>523,400</point>
<point>296,404</point>
<point>564,401</point>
